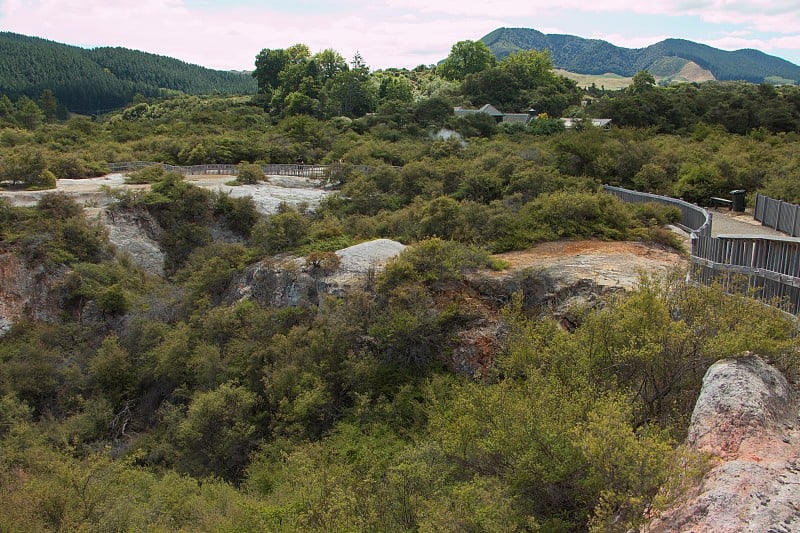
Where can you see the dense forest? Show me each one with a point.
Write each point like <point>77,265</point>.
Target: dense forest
<point>595,56</point>
<point>92,81</point>
<point>157,403</point>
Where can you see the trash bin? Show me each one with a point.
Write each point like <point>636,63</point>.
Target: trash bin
<point>737,196</point>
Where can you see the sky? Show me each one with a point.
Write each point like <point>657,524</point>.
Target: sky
<point>228,34</point>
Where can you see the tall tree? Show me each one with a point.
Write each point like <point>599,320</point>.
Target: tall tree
<point>467,57</point>
<point>269,64</point>
<point>49,105</point>
<point>330,63</point>
<point>29,114</point>
<point>529,67</point>
<point>350,92</point>
<point>642,81</point>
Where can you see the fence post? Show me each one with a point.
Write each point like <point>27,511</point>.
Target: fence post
<point>757,211</point>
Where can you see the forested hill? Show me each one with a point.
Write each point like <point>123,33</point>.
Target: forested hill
<point>594,56</point>
<point>87,81</point>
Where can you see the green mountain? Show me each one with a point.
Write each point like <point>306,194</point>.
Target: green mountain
<point>594,56</point>
<point>89,81</point>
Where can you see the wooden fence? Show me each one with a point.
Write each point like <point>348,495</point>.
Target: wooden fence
<point>332,172</point>
<point>766,267</point>
<point>778,214</point>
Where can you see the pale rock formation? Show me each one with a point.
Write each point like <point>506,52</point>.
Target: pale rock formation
<point>136,233</point>
<point>747,418</point>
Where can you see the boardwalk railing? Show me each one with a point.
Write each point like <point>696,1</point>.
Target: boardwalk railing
<point>332,172</point>
<point>768,267</point>
<point>694,219</point>
<point>778,214</point>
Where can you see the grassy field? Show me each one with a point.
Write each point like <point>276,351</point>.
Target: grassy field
<point>688,72</point>
<point>606,81</point>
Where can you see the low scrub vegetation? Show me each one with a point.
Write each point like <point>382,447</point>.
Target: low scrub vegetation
<point>167,408</point>
<point>158,403</point>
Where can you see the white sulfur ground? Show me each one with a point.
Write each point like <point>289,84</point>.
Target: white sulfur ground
<point>267,196</point>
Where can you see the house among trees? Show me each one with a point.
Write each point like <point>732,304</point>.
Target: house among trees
<point>499,116</point>
<point>602,123</point>
<point>525,118</point>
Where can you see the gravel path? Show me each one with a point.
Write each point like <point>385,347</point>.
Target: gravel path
<point>729,223</point>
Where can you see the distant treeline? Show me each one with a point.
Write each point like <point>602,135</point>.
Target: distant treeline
<point>90,81</point>
<point>738,107</point>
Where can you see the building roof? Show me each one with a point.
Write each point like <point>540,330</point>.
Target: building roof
<point>463,111</point>
<point>489,109</point>
<point>596,122</point>
<point>518,118</point>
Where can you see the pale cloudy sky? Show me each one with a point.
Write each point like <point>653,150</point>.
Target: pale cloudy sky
<point>227,34</point>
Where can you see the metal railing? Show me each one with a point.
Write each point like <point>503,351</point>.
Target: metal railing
<point>768,267</point>
<point>778,215</point>
<point>694,219</point>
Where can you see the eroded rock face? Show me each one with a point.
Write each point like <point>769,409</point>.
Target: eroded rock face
<point>136,233</point>
<point>288,282</point>
<point>747,417</point>
<point>273,283</point>
<point>26,292</point>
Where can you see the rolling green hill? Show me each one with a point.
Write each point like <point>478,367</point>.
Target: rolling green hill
<point>594,56</point>
<point>88,81</point>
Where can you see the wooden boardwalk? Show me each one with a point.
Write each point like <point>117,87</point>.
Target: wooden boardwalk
<point>729,223</point>
<point>743,257</point>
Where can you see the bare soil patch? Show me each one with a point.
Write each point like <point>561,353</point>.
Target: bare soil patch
<point>608,263</point>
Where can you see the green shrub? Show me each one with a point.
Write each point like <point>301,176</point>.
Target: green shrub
<point>238,214</point>
<point>113,300</point>
<point>58,206</point>
<point>432,260</point>
<point>209,269</point>
<point>249,174</point>
<point>322,262</point>
<point>150,174</point>
<point>578,215</point>
<point>45,180</point>
<point>67,166</point>
<point>285,230</point>
<point>656,214</point>
<point>544,125</point>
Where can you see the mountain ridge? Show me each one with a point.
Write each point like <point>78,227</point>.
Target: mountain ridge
<point>595,56</point>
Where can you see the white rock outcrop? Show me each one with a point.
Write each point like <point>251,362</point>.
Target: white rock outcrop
<point>362,257</point>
